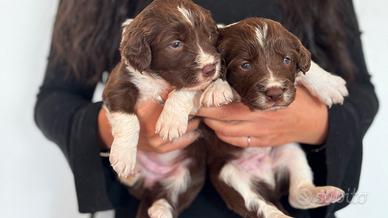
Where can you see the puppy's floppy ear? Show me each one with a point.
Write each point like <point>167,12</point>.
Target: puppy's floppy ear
<point>134,47</point>
<point>304,59</point>
<point>221,50</point>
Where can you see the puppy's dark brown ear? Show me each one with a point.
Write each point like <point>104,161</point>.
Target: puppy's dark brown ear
<point>304,60</point>
<point>221,49</point>
<point>134,47</point>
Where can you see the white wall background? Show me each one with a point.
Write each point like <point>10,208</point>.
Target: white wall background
<point>35,180</point>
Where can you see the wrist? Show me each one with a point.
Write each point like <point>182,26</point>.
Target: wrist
<point>104,130</point>
<point>314,130</point>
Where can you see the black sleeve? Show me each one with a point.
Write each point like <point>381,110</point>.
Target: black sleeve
<point>349,122</point>
<point>66,115</point>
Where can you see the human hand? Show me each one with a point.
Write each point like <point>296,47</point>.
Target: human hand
<point>148,113</point>
<point>304,121</point>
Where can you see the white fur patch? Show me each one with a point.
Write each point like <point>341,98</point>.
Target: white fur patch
<point>124,25</point>
<point>216,94</point>
<point>125,130</point>
<point>203,58</point>
<point>272,81</point>
<point>172,122</point>
<point>126,22</point>
<point>150,86</point>
<point>329,88</point>
<point>179,182</point>
<point>220,25</point>
<point>292,157</point>
<point>160,209</point>
<point>242,183</point>
<point>261,34</point>
<point>186,14</point>
<point>303,193</point>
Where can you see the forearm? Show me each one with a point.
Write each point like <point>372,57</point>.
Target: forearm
<point>104,129</point>
<point>313,121</point>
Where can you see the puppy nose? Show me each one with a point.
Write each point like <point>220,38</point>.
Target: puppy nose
<point>274,93</point>
<point>209,70</point>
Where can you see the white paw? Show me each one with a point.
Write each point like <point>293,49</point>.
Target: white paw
<point>123,159</point>
<point>160,209</point>
<point>216,94</point>
<point>171,126</point>
<point>329,88</point>
<point>275,213</point>
<point>263,209</point>
<point>308,197</point>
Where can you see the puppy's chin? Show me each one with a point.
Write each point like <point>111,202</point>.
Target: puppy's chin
<point>261,103</point>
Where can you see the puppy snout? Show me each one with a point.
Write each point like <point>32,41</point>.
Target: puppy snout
<point>274,93</point>
<point>209,70</point>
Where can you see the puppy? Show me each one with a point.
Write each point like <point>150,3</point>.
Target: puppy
<point>171,43</point>
<point>263,63</point>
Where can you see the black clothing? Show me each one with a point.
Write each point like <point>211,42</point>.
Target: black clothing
<point>65,114</point>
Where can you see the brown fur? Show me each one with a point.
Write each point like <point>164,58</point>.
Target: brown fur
<point>146,47</point>
<point>237,45</point>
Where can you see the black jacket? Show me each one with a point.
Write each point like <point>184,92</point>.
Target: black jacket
<point>66,115</point>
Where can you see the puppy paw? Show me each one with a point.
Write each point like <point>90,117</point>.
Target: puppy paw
<point>277,214</point>
<point>264,209</point>
<point>160,209</point>
<point>123,159</point>
<point>171,126</point>
<point>216,94</point>
<point>328,88</point>
<point>308,197</point>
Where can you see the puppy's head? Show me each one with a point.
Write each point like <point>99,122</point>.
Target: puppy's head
<point>175,40</point>
<point>262,60</point>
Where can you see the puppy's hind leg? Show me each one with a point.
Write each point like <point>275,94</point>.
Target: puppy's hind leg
<point>239,192</point>
<point>303,193</point>
<point>176,193</point>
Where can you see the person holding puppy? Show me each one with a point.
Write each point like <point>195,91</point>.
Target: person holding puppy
<point>85,44</point>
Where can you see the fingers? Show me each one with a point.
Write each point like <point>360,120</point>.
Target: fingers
<point>179,143</point>
<point>245,141</point>
<point>236,128</point>
<point>193,124</point>
<point>233,111</point>
<point>157,144</point>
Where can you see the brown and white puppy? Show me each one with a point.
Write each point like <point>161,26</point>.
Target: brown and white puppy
<point>263,63</point>
<point>170,43</point>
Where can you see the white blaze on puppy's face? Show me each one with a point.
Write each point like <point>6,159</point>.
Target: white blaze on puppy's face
<point>261,34</point>
<point>272,81</point>
<point>203,59</point>
<point>186,15</point>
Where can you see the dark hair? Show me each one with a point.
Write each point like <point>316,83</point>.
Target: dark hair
<point>87,33</point>
<point>325,27</point>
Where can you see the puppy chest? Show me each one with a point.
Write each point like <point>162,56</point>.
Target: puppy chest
<point>156,168</point>
<point>254,161</point>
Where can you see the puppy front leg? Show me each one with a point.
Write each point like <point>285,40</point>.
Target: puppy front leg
<point>125,131</point>
<point>303,193</point>
<point>217,93</point>
<point>120,97</point>
<point>173,120</point>
<point>328,88</point>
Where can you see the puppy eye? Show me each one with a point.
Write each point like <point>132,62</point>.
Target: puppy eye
<point>176,44</point>
<point>246,66</point>
<point>287,60</point>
